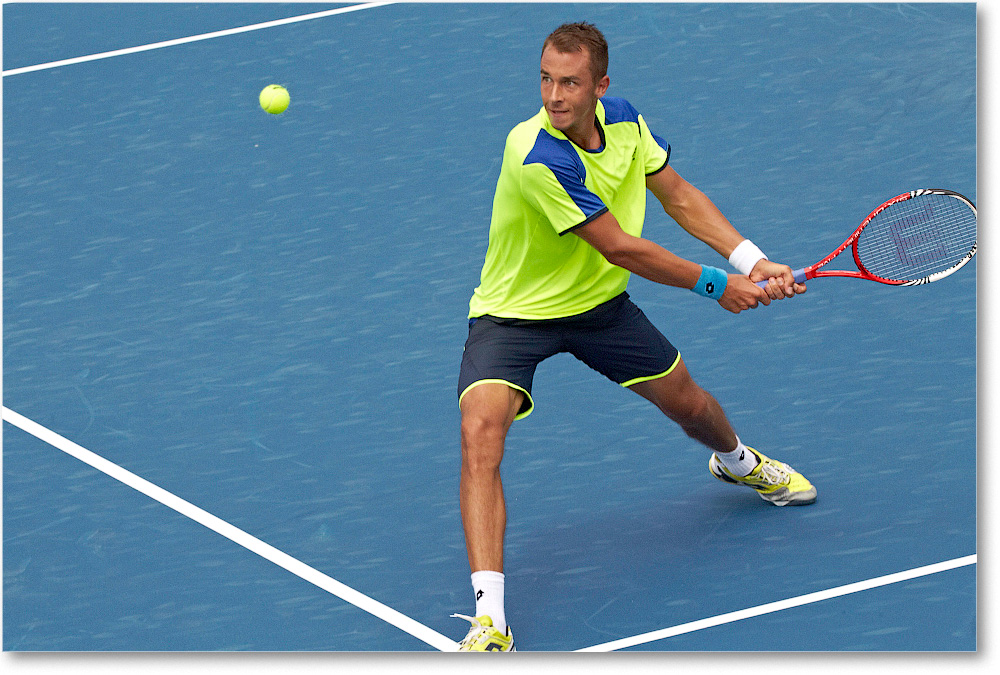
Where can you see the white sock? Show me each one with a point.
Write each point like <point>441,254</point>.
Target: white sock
<point>740,461</point>
<point>488,587</point>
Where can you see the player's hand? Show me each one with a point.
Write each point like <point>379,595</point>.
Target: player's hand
<point>741,293</point>
<point>781,282</point>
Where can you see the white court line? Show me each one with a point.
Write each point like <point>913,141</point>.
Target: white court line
<point>783,604</point>
<point>247,541</point>
<point>195,38</point>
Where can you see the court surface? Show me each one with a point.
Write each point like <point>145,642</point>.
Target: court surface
<point>263,316</point>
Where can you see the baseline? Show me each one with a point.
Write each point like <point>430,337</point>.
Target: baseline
<point>195,38</point>
<point>234,534</point>
<point>731,617</point>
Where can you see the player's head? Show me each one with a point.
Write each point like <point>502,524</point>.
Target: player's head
<point>574,75</point>
<point>576,37</point>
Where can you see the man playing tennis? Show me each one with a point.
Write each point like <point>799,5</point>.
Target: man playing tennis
<point>564,238</point>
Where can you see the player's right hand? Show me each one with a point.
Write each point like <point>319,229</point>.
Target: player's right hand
<point>780,277</point>
<point>741,294</point>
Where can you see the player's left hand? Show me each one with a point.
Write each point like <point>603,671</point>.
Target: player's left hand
<point>741,294</point>
<point>781,281</point>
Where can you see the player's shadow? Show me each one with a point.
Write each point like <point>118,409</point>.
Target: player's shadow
<point>678,559</point>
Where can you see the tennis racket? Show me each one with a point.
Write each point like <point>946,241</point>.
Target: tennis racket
<point>915,238</point>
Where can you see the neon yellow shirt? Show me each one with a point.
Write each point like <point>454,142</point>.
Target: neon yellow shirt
<point>549,186</point>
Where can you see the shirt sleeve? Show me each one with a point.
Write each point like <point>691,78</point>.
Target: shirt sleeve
<point>556,188</point>
<point>655,150</point>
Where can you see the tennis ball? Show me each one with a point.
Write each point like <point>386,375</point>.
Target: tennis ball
<point>274,99</point>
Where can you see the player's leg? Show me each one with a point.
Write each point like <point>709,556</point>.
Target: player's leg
<point>697,412</point>
<point>494,389</point>
<point>488,410</point>
<point>702,418</point>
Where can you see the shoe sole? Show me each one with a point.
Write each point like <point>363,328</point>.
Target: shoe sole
<point>799,499</point>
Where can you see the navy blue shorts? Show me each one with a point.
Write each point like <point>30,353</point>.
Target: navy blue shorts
<point>615,339</point>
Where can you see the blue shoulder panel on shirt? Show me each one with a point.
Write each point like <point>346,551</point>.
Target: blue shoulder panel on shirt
<point>559,156</point>
<point>619,110</point>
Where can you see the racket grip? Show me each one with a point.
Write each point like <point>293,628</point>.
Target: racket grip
<point>800,278</point>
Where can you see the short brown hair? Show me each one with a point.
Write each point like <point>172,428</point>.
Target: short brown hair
<point>574,37</point>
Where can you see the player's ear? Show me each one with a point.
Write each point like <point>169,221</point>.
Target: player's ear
<point>602,86</point>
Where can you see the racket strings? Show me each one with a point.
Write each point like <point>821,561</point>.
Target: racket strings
<point>918,237</point>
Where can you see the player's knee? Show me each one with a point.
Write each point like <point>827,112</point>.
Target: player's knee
<point>690,408</point>
<point>482,442</point>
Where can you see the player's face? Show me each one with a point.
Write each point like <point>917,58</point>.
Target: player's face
<point>569,91</point>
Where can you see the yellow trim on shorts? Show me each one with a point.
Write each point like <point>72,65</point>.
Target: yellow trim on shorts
<point>654,377</point>
<point>519,416</point>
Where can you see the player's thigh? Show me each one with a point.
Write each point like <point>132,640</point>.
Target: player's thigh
<point>487,413</point>
<point>675,393</point>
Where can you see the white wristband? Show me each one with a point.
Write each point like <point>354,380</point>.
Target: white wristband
<point>745,256</point>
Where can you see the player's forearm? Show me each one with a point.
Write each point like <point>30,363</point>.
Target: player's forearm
<point>702,219</point>
<point>651,261</point>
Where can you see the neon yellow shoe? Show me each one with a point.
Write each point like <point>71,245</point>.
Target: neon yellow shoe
<point>483,637</point>
<point>775,482</point>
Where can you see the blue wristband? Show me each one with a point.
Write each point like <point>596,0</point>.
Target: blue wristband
<point>711,283</point>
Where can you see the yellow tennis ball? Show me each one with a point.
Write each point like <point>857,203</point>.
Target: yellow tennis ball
<point>274,99</point>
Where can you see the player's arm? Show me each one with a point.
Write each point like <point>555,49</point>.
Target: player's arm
<point>653,262</point>
<point>702,219</point>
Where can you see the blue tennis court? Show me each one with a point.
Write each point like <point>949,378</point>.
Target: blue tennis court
<point>263,316</point>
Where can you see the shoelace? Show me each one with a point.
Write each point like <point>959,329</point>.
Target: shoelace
<point>775,473</point>
<point>475,631</point>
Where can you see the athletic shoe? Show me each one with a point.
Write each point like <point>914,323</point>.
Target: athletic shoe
<point>484,637</point>
<point>775,482</point>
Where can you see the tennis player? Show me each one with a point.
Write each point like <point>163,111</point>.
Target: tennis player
<point>564,237</point>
